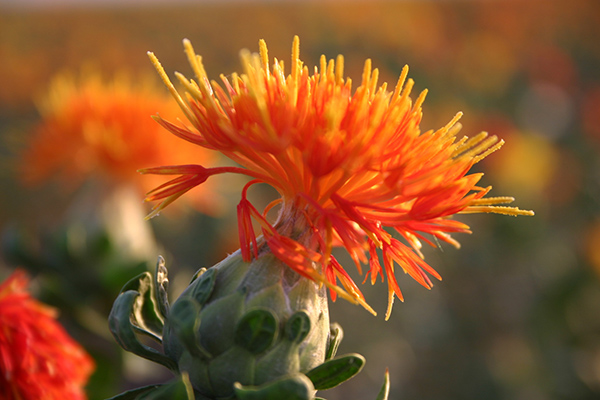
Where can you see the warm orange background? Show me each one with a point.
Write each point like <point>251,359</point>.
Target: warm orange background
<point>517,315</point>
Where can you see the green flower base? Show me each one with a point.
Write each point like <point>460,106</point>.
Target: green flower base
<point>262,356</point>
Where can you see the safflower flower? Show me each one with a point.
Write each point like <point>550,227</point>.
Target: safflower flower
<point>38,359</point>
<point>352,167</point>
<point>93,128</point>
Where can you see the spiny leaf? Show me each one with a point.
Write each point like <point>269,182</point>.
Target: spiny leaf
<point>161,282</point>
<point>291,387</point>
<point>184,321</point>
<point>204,285</point>
<point>179,389</point>
<point>119,322</point>
<point>297,326</point>
<point>134,393</point>
<point>336,334</point>
<point>333,372</point>
<point>256,330</point>
<point>385,388</point>
<point>145,313</point>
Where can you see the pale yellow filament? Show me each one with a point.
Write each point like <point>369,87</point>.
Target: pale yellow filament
<point>163,75</point>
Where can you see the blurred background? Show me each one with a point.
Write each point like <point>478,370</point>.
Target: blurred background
<point>517,315</point>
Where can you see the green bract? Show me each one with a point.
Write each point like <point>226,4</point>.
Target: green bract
<point>240,330</point>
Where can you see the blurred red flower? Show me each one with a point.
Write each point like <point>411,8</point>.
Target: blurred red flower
<point>38,359</point>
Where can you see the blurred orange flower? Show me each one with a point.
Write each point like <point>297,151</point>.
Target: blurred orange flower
<point>102,130</point>
<point>592,245</point>
<point>352,167</point>
<point>38,359</point>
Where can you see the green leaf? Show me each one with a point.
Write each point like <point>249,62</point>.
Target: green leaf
<point>197,275</point>
<point>333,372</point>
<point>385,388</point>
<point>297,326</point>
<point>234,365</point>
<point>184,320</point>
<point>119,322</point>
<point>256,330</point>
<point>336,334</point>
<point>218,322</point>
<point>204,285</point>
<point>134,393</point>
<point>179,389</point>
<point>291,387</point>
<point>281,360</point>
<point>146,316</point>
<point>161,282</point>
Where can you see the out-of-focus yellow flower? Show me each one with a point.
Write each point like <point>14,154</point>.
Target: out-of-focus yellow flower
<point>92,128</point>
<point>352,167</point>
<point>527,165</point>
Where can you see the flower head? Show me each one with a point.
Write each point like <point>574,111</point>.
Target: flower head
<point>99,129</point>
<point>351,166</point>
<point>38,359</point>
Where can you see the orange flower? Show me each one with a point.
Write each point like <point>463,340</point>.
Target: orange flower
<point>38,359</point>
<point>103,130</point>
<point>352,167</point>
